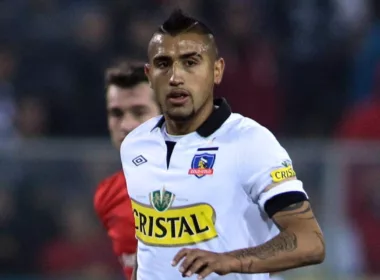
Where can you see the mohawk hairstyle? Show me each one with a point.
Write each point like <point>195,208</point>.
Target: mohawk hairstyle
<point>125,74</point>
<point>179,22</point>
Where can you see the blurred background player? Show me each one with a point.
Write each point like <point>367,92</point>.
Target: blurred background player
<point>130,102</point>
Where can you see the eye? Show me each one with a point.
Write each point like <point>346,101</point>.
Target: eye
<point>190,63</point>
<point>162,64</point>
<point>117,113</point>
<point>140,112</point>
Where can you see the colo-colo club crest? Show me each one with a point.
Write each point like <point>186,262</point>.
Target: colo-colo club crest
<point>202,165</point>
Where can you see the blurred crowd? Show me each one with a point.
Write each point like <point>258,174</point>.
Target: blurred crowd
<point>304,69</point>
<point>287,61</point>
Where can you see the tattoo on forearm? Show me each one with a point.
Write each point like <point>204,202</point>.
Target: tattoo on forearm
<point>284,242</point>
<point>297,210</point>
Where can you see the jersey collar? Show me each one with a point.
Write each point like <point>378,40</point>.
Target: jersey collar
<point>218,116</point>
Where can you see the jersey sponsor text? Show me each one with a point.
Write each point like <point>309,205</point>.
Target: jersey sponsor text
<point>176,226</point>
<point>282,174</point>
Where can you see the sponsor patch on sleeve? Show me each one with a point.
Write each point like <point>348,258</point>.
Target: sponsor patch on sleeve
<point>282,174</point>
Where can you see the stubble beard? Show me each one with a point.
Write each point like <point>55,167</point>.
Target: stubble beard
<point>179,116</point>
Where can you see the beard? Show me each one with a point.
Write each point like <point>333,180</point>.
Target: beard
<point>180,116</point>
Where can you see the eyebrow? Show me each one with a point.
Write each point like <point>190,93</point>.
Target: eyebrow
<point>187,55</point>
<point>182,56</point>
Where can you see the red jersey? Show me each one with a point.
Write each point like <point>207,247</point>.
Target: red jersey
<point>113,206</point>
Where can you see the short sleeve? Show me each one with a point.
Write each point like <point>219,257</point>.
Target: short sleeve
<point>262,162</point>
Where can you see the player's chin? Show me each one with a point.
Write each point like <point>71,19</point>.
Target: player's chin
<point>180,114</point>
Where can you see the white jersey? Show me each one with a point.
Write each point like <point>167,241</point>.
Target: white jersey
<point>209,195</point>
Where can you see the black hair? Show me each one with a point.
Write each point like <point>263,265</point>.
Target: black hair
<point>178,22</point>
<point>125,74</point>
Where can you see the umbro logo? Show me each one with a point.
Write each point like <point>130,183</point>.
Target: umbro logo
<point>139,160</point>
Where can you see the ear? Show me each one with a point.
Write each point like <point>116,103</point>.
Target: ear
<point>147,73</point>
<point>218,70</point>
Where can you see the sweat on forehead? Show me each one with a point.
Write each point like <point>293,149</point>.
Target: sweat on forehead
<point>182,43</point>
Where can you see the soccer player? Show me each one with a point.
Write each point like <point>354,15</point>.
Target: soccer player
<point>209,186</point>
<point>130,101</point>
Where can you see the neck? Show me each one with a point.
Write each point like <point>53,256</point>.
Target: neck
<point>191,125</point>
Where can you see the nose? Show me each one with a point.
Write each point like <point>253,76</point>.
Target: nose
<point>176,78</point>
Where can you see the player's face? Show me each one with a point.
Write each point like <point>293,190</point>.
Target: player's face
<point>127,109</point>
<point>182,71</point>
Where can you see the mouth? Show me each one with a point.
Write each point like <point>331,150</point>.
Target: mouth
<point>178,96</point>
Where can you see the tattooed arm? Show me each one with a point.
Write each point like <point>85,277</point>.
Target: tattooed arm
<point>299,243</point>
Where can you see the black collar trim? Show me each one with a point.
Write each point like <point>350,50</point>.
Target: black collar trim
<point>218,116</point>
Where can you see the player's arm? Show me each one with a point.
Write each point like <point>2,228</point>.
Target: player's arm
<point>134,273</point>
<point>113,208</point>
<point>269,179</point>
<point>299,243</point>
<point>272,183</point>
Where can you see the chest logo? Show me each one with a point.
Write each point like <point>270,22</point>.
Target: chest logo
<point>160,224</point>
<point>161,200</point>
<point>139,160</point>
<point>202,165</point>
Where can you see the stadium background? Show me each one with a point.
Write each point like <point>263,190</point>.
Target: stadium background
<point>307,69</point>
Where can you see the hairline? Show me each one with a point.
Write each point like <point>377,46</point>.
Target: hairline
<point>210,37</point>
<point>152,95</point>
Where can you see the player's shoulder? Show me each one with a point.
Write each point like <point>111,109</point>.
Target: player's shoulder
<point>142,131</point>
<point>251,138</point>
<point>109,188</point>
<point>144,128</point>
<point>244,128</point>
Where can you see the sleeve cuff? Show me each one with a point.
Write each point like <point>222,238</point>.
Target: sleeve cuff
<point>289,186</point>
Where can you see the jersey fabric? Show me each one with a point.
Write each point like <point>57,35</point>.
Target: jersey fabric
<point>204,191</point>
<point>113,207</point>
